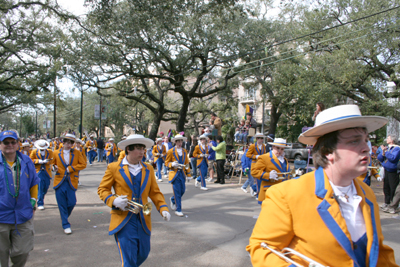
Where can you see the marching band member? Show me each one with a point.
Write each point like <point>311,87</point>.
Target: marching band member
<point>42,157</point>
<point>372,171</point>
<point>121,152</point>
<point>326,215</point>
<point>132,180</point>
<point>254,151</point>
<point>79,146</point>
<point>18,195</point>
<point>159,152</point>
<point>111,149</point>
<point>91,146</point>
<point>177,175</point>
<point>269,166</point>
<point>201,153</point>
<point>56,143</point>
<point>26,149</point>
<point>68,162</point>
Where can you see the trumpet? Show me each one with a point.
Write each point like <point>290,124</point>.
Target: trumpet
<point>372,167</point>
<point>291,174</point>
<point>135,207</point>
<point>183,166</point>
<point>283,254</point>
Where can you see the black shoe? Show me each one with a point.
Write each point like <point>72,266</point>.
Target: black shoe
<point>217,182</point>
<point>222,182</point>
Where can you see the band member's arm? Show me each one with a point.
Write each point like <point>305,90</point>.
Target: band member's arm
<point>274,227</point>
<point>169,159</point>
<point>197,152</point>
<point>155,194</point>
<point>81,164</point>
<point>251,153</point>
<point>33,157</point>
<point>259,170</point>
<point>104,189</point>
<point>187,161</point>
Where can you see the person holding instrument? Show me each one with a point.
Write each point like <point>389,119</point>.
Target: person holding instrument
<point>133,182</point>
<point>326,215</point>
<point>268,168</point>
<point>159,152</point>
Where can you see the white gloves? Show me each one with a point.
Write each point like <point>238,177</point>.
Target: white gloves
<point>40,161</point>
<point>380,179</point>
<point>157,154</point>
<point>273,175</point>
<point>43,161</point>
<point>166,216</point>
<point>257,156</point>
<point>121,202</point>
<point>174,164</point>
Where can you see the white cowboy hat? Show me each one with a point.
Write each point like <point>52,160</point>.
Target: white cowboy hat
<point>25,144</point>
<point>203,136</point>
<point>41,144</point>
<point>123,138</point>
<point>179,137</point>
<point>279,142</point>
<point>111,139</point>
<point>339,118</point>
<point>135,139</point>
<point>259,135</point>
<point>91,135</point>
<point>69,137</point>
<point>77,140</point>
<point>159,139</point>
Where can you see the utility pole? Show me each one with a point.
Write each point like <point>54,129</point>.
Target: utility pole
<point>263,115</point>
<point>55,108</point>
<point>81,126</point>
<point>36,124</point>
<point>100,118</point>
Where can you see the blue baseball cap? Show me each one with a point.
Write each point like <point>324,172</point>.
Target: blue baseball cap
<point>8,134</point>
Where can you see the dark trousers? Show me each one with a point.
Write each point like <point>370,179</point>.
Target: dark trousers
<point>220,170</point>
<point>389,185</point>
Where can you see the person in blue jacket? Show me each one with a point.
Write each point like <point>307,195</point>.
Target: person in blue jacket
<point>389,157</point>
<point>18,196</point>
<point>246,164</point>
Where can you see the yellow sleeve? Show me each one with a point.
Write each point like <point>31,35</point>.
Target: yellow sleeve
<point>34,191</point>
<point>259,169</point>
<point>169,159</point>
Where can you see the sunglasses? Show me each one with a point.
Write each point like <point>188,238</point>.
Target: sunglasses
<point>260,138</point>
<point>8,142</point>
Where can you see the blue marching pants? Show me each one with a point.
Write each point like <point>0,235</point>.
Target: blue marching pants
<point>203,168</point>
<point>91,155</point>
<point>43,186</point>
<point>160,164</point>
<point>110,158</point>
<point>133,243</point>
<point>178,188</point>
<point>66,200</point>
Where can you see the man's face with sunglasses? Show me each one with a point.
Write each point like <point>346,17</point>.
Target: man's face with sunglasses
<point>9,146</point>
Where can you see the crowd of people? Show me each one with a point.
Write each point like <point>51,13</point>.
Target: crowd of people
<point>334,201</point>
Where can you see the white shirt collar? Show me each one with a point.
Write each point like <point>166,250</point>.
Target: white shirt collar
<point>133,168</point>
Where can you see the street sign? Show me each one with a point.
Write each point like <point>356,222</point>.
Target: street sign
<point>97,111</point>
<point>103,112</point>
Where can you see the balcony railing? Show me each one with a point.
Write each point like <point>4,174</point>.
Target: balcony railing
<point>247,99</point>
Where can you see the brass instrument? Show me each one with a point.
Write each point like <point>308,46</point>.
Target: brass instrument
<point>372,167</point>
<point>283,254</point>
<point>183,166</point>
<point>291,174</point>
<point>135,207</point>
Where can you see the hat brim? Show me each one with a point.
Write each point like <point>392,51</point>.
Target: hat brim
<point>39,147</point>
<point>69,138</point>
<point>278,144</point>
<point>179,138</point>
<point>371,123</point>
<point>141,141</point>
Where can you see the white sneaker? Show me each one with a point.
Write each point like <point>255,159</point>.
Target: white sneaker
<point>40,208</point>
<point>79,183</point>
<point>204,188</point>
<point>244,189</point>
<point>196,183</point>
<point>179,213</point>
<point>172,205</point>
<point>90,164</point>
<point>251,191</point>
<point>67,231</point>
<point>210,180</point>
<point>160,180</point>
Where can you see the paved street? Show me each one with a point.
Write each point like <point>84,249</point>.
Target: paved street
<point>215,232</point>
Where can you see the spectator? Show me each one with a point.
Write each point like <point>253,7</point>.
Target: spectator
<point>211,158</point>
<point>319,107</point>
<point>237,134</point>
<point>253,123</point>
<point>100,149</point>
<point>217,123</point>
<point>193,160</point>
<point>220,150</point>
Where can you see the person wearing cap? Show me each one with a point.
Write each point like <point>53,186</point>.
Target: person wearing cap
<point>201,152</point>
<point>67,164</point>
<point>132,180</point>
<point>255,150</point>
<point>326,215</point>
<point>42,157</point>
<point>159,152</point>
<point>177,175</point>
<point>111,149</point>
<point>268,167</point>
<point>91,146</point>
<point>389,157</point>
<point>270,139</point>
<point>18,200</point>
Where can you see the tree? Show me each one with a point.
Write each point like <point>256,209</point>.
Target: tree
<point>165,47</point>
